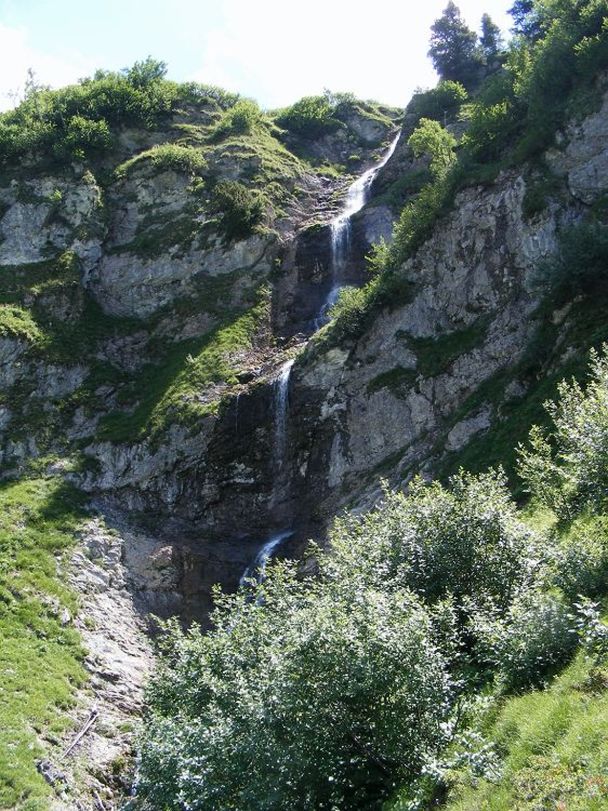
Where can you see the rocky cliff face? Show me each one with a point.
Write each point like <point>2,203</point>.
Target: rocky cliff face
<point>141,289</point>
<point>141,344</point>
<point>117,289</point>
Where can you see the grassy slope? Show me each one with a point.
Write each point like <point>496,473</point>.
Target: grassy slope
<point>40,656</point>
<point>555,748</point>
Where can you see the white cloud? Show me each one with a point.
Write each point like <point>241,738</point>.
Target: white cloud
<point>17,56</point>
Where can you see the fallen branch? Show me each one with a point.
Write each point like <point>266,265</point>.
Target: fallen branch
<point>85,728</point>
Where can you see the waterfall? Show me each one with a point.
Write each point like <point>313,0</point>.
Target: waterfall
<point>236,414</point>
<point>280,407</point>
<point>255,570</point>
<point>356,197</point>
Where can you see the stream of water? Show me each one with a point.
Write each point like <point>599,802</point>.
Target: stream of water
<point>280,408</point>
<point>341,226</point>
<point>357,196</point>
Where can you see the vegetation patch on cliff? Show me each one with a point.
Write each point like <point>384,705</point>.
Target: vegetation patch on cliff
<point>186,384</point>
<point>40,651</point>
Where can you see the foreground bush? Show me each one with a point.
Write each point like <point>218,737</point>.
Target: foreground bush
<point>363,682</point>
<point>316,699</point>
<point>465,541</point>
<point>566,468</point>
<point>326,692</point>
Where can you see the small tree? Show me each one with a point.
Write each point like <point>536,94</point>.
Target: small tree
<point>440,102</point>
<point>144,73</point>
<point>430,138</point>
<point>491,38</point>
<point>453,48</point>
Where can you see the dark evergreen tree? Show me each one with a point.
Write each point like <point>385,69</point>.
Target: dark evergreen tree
<point>526,21</point>
<point>453,48</point>
<point>491,38</point>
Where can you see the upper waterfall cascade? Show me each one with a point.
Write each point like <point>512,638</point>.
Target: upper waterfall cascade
<point>357,196</point>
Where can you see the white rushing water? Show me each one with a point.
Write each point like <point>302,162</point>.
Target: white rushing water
<point>281,407</point>
<point>357,196</point>
<point>255,570</point>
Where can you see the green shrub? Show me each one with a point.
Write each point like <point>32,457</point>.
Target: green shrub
<point>566,468</point>
<point>431,139</point>
<point>82,115</point>
<point>313,699</point>
<point>539,81</point>
<point>465,541</point>
<point>310,117</point>
<point>417,220</point>
<point>582,558</point>
<point>240,209</point>
<point>17,322</point>
<point>240,119</point>
<point>355,306</point>
<point>439,103</point>
<point>528,642</point>
<point>195,93</point>
<point>84,136</point>
<point>144,73</point>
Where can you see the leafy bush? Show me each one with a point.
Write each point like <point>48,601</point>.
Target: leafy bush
<point>82,116</point>
<point>195,93</point>
<point>310,117</point>
<point>566,468</point>
<point>416,221</point>
<point>430,138</point>
<point>17,322</point>
<point>465,541</point>
<point>541,75</point>
<point>313,699</point>
<point>582,558</point>
<point>145,73</point>
<point>528,642</point>
<point>355,306</point>
<point>240,208</point>
<point>240,119</point>
<point>440,102</point>
<point>84,136</point>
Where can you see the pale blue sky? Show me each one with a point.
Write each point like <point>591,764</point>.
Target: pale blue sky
<point>272,50</point>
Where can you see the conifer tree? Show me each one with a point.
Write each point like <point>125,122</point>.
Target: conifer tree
<point>453,47</point>
<point>491,38</point>
<point>526,22</point>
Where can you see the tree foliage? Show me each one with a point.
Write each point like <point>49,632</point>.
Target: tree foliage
<point>491,38</point>
<point>439,103</point>
<point>82,120</point>
<point>311,116</point>
<point>240,209</point>
<point>568,465</point>
<point>526,20</point>
<point>431,139</point>
<point>453,47</point>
